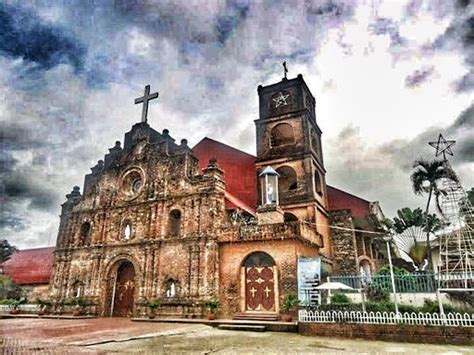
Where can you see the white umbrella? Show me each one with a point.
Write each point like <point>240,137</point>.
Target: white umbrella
<point>333,286</point>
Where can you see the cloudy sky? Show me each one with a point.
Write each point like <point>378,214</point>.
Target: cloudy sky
<point>388,76</point>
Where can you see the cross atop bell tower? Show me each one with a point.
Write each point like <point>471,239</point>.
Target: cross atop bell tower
<point>146,98</point>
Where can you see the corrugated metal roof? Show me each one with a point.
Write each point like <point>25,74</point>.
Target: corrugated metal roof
<point>30,266</point>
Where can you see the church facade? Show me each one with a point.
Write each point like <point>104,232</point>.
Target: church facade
<point>159,220</point>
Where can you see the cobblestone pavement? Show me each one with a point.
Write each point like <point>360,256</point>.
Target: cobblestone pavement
<point>59,336</point>
<point>120,335</point>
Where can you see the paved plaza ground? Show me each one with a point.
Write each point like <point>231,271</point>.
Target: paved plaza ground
<point>120,335</point>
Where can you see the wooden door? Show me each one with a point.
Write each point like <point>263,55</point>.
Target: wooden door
<point>260,289</point>
<point>124,291</point>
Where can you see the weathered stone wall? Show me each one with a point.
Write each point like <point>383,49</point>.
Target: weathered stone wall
<point>136,222</point>
<point>343,243</point>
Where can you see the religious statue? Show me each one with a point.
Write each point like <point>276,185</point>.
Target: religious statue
<point>270,196</point>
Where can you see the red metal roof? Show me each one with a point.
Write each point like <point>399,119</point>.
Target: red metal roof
<point>232,202</point>
<point>238,166</point>
<point>341,200</point>
<point>30,266</point>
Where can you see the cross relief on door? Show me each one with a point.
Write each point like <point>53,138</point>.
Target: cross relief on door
<point>260,288</point>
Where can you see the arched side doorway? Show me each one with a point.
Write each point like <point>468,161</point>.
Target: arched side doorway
<point>260,286</point>
<point>123,293</point>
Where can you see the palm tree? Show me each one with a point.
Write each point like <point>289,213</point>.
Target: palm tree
<point>425,179</point>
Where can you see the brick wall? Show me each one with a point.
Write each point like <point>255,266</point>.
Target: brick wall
<point>391,332</point>
<point>343,243</point>
<point>231,256</point>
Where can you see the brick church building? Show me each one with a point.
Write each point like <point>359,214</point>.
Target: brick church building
<point>157,219</point>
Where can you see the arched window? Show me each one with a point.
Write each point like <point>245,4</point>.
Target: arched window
<point>77,289</point>
<point>282,134</point>
<point>85,234</point>
<point>290,217</point>
<point>127,231</point>
<point>287,180</point>
<point>259,258</point>
<point>315,142</point>
<point>174,223</point>
<point>171,288</point>
<point>317,183</point>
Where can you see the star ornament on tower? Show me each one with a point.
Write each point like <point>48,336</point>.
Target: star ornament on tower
<point>442,146</point>
<point>280,100</point>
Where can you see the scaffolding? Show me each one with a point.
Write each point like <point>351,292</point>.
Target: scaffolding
<point>457,241</point>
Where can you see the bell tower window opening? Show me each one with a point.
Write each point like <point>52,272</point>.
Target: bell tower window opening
<point>288,180</point>
<point>282,134</point>
<point>315,142</point>
<point>175,223</point>
<point>318,183</point>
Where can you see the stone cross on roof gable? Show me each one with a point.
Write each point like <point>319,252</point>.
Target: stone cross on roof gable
<point>145,99</point>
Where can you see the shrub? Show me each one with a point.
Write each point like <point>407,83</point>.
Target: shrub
<point>343,307</point>
<point>340,298</point>
<point>212,305</point>
<point>289,301</point>
<point>44,303</point>
<point>153,303</point>
<point>376,293</point>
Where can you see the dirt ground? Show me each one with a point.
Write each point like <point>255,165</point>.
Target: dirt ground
<point>115,335</point>
<point>207,340</point>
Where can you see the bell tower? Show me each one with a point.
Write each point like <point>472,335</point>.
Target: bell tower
<point>289,141</point>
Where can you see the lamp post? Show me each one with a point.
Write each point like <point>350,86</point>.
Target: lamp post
<point>388,239</point>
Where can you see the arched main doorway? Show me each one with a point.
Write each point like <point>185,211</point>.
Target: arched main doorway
<point>261,288</point>
<point>124,290</point>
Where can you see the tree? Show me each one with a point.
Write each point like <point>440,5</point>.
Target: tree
<point>407,219</point>
<point>425,179</point>
<point>6,250</point>
<point>409,227</point>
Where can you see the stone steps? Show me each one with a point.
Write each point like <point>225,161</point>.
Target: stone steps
<point>269,317</point>
<point>243,327</point>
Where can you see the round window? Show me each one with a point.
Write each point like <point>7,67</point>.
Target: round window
<point>136,185</point>
<point>132,183</point>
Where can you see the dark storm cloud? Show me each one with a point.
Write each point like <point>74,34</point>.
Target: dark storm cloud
<point>12,221</point>
<point>17,137</point>
<point>466,83</point>
<point>463,128</point>
<point>419,77</point>
<point>458,36</point>
<point>355,165</point>
<point>23,35</point>
<point>22,187</point>
<point>234,14</point>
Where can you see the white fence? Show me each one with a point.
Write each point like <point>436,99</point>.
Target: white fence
<point>29,308</point>
<point>448,319</point>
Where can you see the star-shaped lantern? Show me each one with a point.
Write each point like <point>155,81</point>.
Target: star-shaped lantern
<point>442,146</point>
<point>281,100</point>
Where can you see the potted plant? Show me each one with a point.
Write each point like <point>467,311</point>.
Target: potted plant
<point>13,303</point>
<point>79,304</point>
<point>212,306</point>
<point>289,302</point>
<point>44,305</point>
<point>153,304</point>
